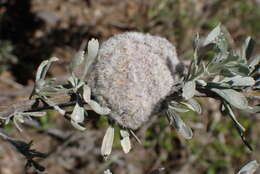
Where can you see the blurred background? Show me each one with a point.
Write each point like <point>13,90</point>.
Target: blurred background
<point>35,30</point>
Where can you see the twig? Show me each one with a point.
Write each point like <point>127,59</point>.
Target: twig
<point>62,100</point>
<point>25,149</point>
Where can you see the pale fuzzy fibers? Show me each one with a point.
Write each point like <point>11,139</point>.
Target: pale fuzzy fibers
<point>132,76</point>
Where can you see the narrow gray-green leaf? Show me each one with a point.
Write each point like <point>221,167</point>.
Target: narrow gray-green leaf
<point>194,105</point>
<point>34,114</point>
<point>253,65</point>
<point>233,117</point>
<point>73,81</point>
<point>40,70</point>
<point>216,78</point>
<point>7,120</point>
<point>98,109</point>
<point>249,168</point>
<point>125,141</point>
<point>76,61</point>
<point>179,125</point>
<point>236,69</point>
<point>54,105</point>
<point>86,93</point>
<point>78,114</point>
<point>93,47</point>
<point>39,85</point>
<point>196,41</point>
<point>189,90</point>
<point>77,125</point>
<point>233,97</point>
<point>201,82</point>
<point>248,48</point>
<point>49,90</point>
<point>253,110</point>
<point>241,81</point>
<point>43,68</point>
<point>18,118</point>
<point>80,84</point>
<point>58,109</point>
<point>177,109</point>
<point>107,142</point>
<point>212,36</point>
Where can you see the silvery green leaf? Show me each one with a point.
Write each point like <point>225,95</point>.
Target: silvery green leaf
<point>73,81</point>
<point>125,141</point>
<point>40,70</point>
<point>194,67</point>
<point>39,84</point>
<point>7,120</point>
<point>239,127</point>
<point>34,114</point>
<point>196,41</point>
<point>86,93</point>
<point>177,109</point>
<point>201,82</point>
<point>240,81</point>
<point>178,124</point>
<point>58,109</point>
<point>255,61</point>
<point>248,48</point>
<point>253,110</point>
<point>227,73</point>
<point>18,118</point>
<point>233,97</point>
<point>87,107</point>
<point>193,105</point>
<point>218,85</point>
<point>93,47</point>
<point>78,114</point>
<point>241,69</point>
<point>107,142</point>
<point>77,125</point>
<point>98,109</point>
<point>203,70</point>
<point>253,65</point>
<point>212,35</point>
<point>124,133</point>
<point>189,90</point>
<point>235,69</point>
<point>50,81</point>
<point>76,61</point>
<point>216,78</point>
<point>233,117</point>
<point>249,168</point>
<point>107,172</point>
<point>54,105</point>
<point>43,68</point>
<point>49,90</point>
<point>80,84</point>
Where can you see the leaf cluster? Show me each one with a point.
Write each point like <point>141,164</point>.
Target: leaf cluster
<point>219,72</point>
